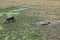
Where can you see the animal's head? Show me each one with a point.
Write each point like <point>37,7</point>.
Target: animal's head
<point>48,22</point>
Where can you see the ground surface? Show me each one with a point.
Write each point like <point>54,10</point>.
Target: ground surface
<point>23,29</point>
<point>10,3</point>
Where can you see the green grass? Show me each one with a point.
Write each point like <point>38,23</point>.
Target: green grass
<point>23,29</point>
<point>1,28</point>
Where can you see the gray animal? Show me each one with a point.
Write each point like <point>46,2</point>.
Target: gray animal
<point>43,23</point>
<point>9,19</point>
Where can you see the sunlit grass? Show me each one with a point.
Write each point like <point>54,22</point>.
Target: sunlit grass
<point>1,28</point>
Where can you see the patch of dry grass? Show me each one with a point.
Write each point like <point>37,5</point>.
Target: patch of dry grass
<point>12,3</point>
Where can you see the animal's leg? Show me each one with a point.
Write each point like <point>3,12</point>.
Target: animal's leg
<point>13,20</point>
<point>8,21</point>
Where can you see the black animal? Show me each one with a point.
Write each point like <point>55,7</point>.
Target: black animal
<point>9,19</point>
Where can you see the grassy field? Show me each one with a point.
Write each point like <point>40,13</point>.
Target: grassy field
<point>23,29</point>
